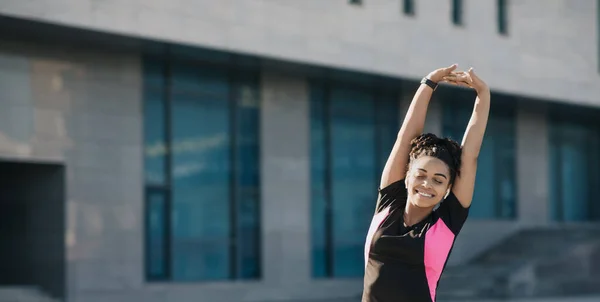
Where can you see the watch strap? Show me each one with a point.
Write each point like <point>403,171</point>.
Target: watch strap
<point>433,85</point>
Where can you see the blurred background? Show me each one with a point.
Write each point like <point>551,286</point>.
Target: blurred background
<point>230,150</point>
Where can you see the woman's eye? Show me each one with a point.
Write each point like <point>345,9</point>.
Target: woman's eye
<point>437,181</point>
<point>420,176</point>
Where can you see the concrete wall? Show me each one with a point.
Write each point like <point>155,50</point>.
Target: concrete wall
<point>532,162</point>
<point>285,179</point>
<point>83,109</point>
<point>374,37</point>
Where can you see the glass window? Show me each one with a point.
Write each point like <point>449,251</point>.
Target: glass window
<point>201,151</point>
<point>155,132</point>
<point>502,17</point>
<point>574,169</point>
<point>156,265</point>
<point>247,185</point>
<point>206,121</point>
<point>495,191</point>
<point>409,7</point>
<point>388,125</point>
<point>457,15</point>
<point>353,176</point>
<point>352,132</point>
<point>319,179</point>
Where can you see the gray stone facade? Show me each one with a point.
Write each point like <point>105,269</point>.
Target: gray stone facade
<point>83,109</point>
<point>374,37</point>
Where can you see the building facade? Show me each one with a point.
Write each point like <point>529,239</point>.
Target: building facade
<point>231,150</point>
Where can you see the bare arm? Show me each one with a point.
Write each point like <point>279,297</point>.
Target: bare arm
<point>412,126</point>
<point>471,145</point>
<point>414,122</point>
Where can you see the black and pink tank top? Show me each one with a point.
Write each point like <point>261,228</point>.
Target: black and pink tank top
<point>405,264</point>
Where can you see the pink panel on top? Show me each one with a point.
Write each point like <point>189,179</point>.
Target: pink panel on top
<point>375,223</point>
<point>438,242</point>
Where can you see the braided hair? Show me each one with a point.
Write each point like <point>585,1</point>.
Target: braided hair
<point>444,149</point>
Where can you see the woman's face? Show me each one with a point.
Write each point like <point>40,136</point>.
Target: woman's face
<point>427,181</point>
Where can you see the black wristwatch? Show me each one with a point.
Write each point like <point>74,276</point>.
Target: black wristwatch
<point>429,83</point>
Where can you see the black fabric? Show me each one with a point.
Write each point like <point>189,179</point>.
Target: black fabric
<point>453,213</point>
<point>394,195</point>
<point>395,268</point>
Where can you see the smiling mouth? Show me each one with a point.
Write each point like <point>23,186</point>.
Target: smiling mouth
<point>426,195</point>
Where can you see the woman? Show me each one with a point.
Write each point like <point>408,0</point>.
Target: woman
<point>410,240</point>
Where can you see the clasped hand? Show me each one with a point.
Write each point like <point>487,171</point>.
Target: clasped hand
<point>459,78</point>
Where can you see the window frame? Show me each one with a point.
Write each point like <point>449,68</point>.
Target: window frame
<point>502,16</point>
<point>379,97</point>
<point>557,118</point>
<point>457,12</point>
<point>455,128</point>
<point>166,87</point>
<point>408,8</point>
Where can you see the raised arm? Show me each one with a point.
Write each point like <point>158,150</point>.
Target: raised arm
<point>464,184</point>
<point>412,126</point>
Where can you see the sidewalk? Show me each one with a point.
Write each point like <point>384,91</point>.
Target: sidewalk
<point>549,299</point>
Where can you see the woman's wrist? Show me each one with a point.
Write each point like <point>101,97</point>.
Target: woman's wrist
<point>437,75</point>
<point>433,78</point>
<point>483,91</point>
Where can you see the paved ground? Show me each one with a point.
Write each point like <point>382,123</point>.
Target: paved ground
<point>561,299</point>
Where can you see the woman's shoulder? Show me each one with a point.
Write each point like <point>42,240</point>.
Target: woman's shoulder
<point>452,213</point>
<point>393,195</point>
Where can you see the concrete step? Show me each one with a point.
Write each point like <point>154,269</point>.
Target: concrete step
<point>530,263</point>
<point>567,285</point>
<point>23,294</point>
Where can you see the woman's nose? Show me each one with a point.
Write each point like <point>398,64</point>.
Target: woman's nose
<point>427,183</point>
